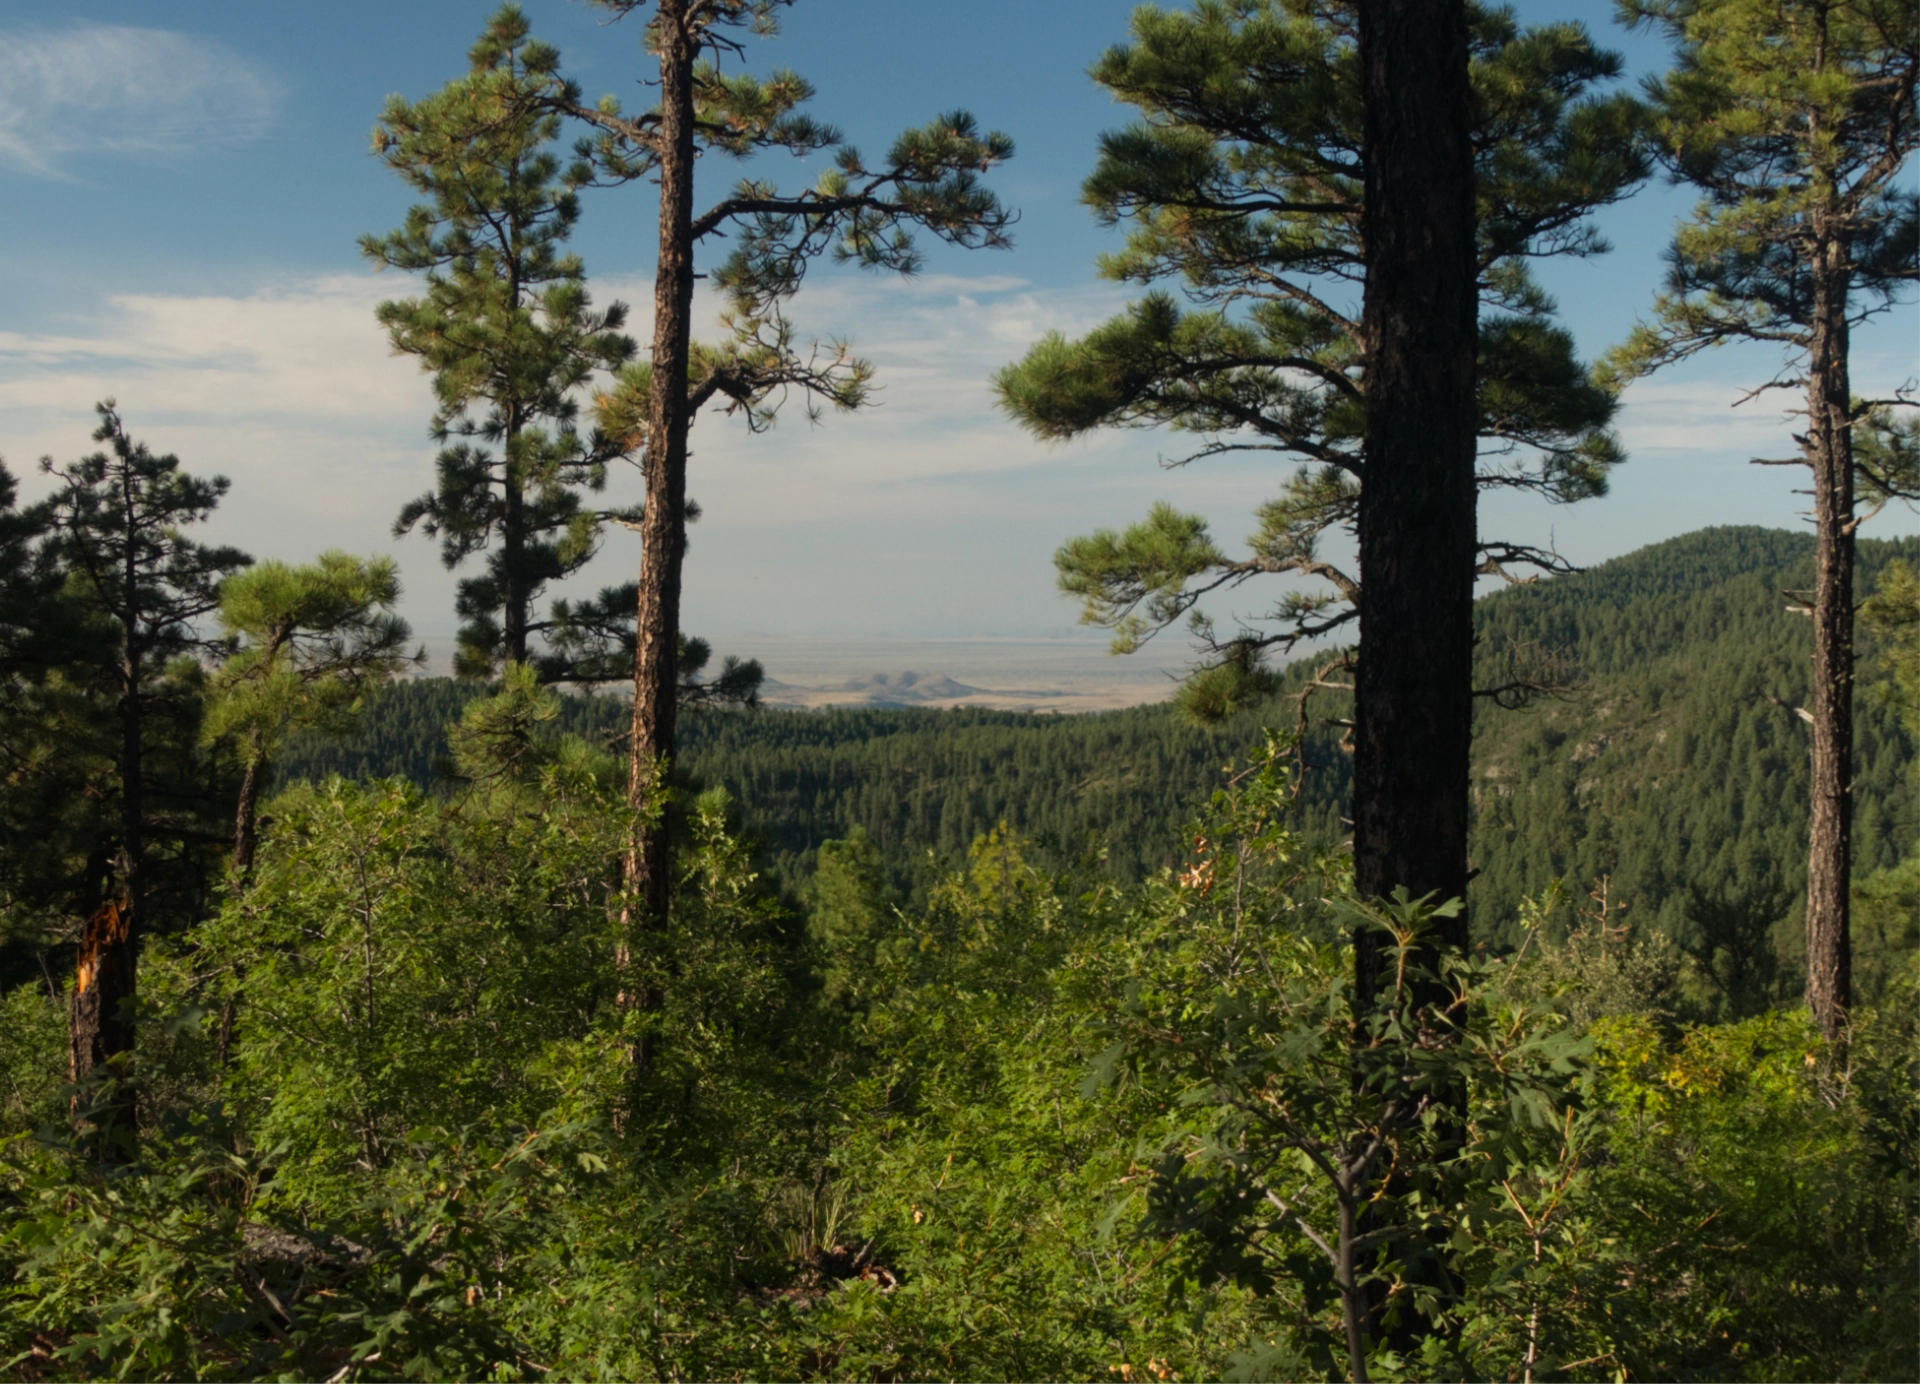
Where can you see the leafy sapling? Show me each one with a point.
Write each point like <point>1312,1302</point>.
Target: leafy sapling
<point>315,642</point>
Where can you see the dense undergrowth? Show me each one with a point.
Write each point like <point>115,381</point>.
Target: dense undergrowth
<point>403,1117</point>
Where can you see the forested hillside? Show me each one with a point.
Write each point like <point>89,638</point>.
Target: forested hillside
<point>1681,768</point>
<point>914,780</point>
<point>1525,990</point>
<point>1674,765</point>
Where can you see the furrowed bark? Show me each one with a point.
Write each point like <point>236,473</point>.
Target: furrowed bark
<point>1413,687</point>
<point>663,528</point>
<point>106,972</point>
<point>104,980</point>
<point>1413,701</point>
<point>246,814</point>
<point>1830,844</point>
<point>513,585</point>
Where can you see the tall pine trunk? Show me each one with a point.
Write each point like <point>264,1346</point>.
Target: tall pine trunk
<point>1830,435</point>
<point>514,595</point>
<point>514,601</point>
<point>106,970</point>
<point>1413,689</point>
<point>246,812</point>
<point>662,527</point>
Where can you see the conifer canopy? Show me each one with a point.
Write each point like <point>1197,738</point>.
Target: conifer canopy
<point>1240,188</point>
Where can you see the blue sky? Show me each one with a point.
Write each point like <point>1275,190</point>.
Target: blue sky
<point>182,186</point>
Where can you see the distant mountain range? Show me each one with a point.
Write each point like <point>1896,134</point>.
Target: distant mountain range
<point>880,689</point>
<point>903,690</point>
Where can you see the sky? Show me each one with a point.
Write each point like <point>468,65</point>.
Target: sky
<point>183,184</point>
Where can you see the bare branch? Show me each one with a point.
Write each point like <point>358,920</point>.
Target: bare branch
<point>1289,1214</point>
<point>1799,711</point>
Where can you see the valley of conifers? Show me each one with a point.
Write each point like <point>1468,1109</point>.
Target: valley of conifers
<point>1483,966</point>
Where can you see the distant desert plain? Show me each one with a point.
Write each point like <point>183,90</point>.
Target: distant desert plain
<point>1070,674</point>
<point>1065,674</point>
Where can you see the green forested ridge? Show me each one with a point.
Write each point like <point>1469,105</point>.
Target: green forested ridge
<point>914,780</point>
<point>1677,770</point>
<point>1668,768</point>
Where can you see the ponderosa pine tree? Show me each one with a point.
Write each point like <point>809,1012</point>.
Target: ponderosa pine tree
<point>1421,151</point>
<point>1243,182</point>
<point>1796,119</point>
<point>853,212</point>
<point>118,517</point>
<point>508,331</point>
<point>1413,695</point>
<point>35,632</point>
<point>314,642</point>
<point>26,578</point>
<point>1413,688</point>
<point>29,584</point>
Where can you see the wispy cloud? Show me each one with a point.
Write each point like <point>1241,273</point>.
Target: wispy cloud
<point>1703,416</point>
<point>112,89</point>
<point>930,512</point>
<point>292,392</point>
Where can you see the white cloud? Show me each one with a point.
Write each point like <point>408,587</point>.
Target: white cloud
<point>292,392</point>
<point>1705,416</point>
<point>299,355</point>
<point>929,511</point>
<point>95,88</point>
